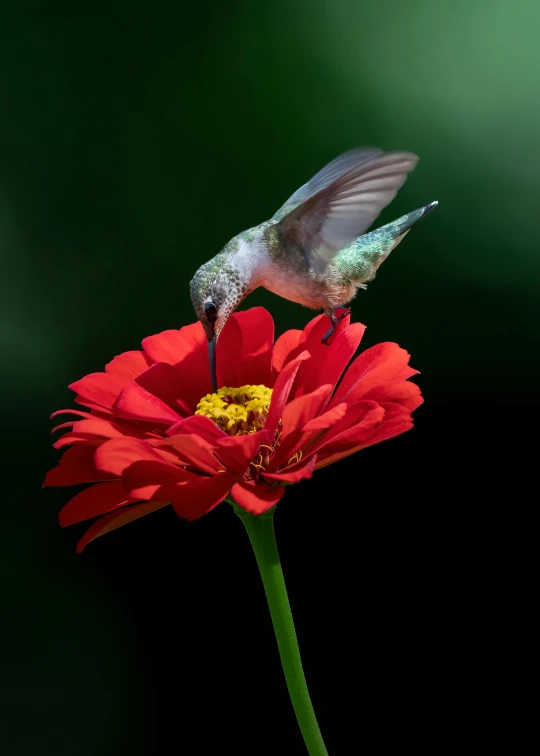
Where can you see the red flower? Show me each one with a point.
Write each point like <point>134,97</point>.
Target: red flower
<point>149,440</point>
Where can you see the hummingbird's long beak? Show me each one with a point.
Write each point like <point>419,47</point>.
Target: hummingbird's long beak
<point>212,361</point>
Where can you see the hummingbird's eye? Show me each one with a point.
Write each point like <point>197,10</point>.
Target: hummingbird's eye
<point>210,310</point>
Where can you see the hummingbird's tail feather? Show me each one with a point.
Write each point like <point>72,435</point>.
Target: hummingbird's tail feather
<point>406,222</point>
<point>358,262</point>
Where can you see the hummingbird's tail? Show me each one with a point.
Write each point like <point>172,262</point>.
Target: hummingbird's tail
<point>358,263</point>
<point>406,222</point>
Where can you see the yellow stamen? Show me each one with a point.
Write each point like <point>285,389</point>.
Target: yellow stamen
<point>295,458</point>
<point>237,411</point>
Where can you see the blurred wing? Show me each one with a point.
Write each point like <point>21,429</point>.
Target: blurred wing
<point>345,208</point>
<point>326,175</point>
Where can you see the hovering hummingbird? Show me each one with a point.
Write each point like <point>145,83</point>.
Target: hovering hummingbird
<point>314,250</point>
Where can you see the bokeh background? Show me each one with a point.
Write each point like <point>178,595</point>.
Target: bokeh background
<point>135,140</point>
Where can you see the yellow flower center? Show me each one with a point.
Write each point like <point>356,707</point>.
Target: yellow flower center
<point>237,410</point>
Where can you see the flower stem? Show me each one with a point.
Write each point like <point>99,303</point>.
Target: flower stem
<point>260,529</point>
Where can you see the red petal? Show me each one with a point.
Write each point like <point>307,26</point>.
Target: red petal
<point>63,425</point>
<point>75,438</point>
<point>97,426</point>
<point>244,350</point>
<point>328,419</point>
<point>280,394</point>
<point>194,441</point>
<point>193,500</point>
<point>76,466</point>
<point>361,418</point>
<point>293,474</point>
<point>96,409</point>
<point>187,350</point>
<point>147,479</point>
<point>174,345</point>
<point>327,361</point>
<point>236,451</point>
<point>136,403</point>
<point>256,498</point>
<point>341,351</point>
<point>116,455</point>
<point>285,348</point>
<point>379,424</point>
<point>303,409</point>
<point>191,450</point>
<point>128,365</point>
<point>94,501</point>
<point>399,391</point>
<point>95,429</point>
<point>117,519</point>
<point>79,413</point>
<point>375,367</point>
<point>407,372</point>
<point>99,389</point>
<point>295,416</point>
<point>304,439</point>
<point>397,420</point>
<point>165,382</point>
<point>198,425</point>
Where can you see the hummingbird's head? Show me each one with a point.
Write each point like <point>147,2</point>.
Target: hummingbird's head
<point>217,289</point>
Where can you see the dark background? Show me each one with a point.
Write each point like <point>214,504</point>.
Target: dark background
<point>135,140</point>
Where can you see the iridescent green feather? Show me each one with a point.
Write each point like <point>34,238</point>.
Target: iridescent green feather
<point>360,260</point>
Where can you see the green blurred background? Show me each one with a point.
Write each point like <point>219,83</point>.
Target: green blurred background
<point>135,140</point>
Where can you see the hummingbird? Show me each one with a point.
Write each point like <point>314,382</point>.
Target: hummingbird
<point>314,249</point>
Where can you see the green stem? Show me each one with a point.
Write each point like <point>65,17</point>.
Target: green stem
<point>260,530</point>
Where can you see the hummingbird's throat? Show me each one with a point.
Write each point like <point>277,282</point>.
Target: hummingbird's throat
<point>237,411</point>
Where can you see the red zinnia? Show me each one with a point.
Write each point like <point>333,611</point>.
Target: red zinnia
<point>153,435</point>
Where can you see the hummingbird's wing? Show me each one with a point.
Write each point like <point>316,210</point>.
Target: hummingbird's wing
<point>329,220</point>
<point>326,175</point>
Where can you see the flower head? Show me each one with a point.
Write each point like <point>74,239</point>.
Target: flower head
<point>153,433</point>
